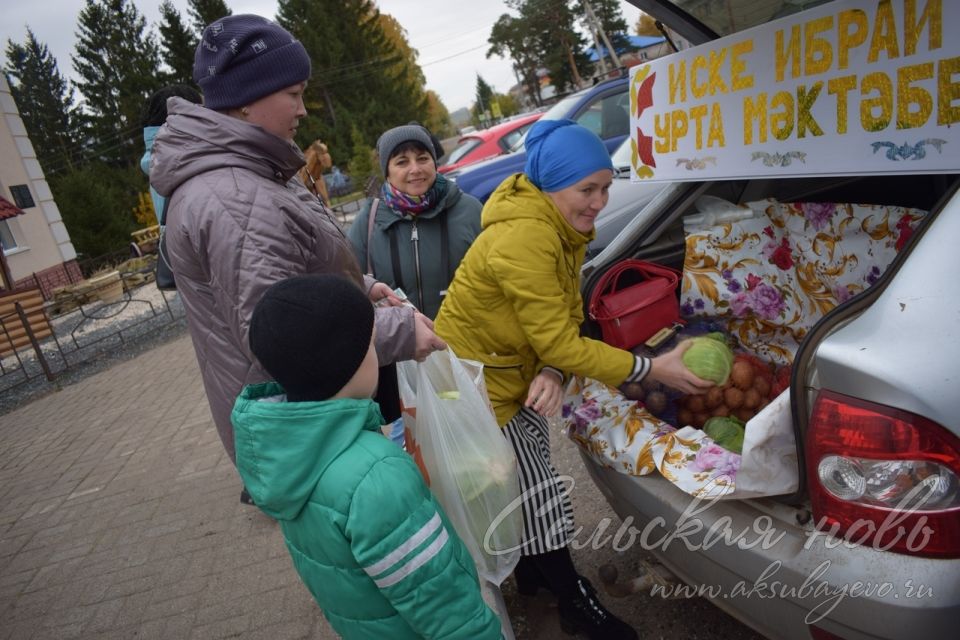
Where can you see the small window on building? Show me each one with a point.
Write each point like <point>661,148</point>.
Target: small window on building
<point>21,196</point>
<point>7,241</point>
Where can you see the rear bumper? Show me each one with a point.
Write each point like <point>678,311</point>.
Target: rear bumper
<point>753,560</point>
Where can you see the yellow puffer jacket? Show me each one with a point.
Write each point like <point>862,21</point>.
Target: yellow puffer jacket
<point>515,305</point>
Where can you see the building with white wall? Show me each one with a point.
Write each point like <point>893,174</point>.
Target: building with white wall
<point>36,246</point>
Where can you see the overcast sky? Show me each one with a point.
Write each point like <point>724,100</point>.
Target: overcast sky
<point>450,35</point>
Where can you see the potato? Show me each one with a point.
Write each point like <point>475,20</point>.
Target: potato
<point>713,398</point>
<point>684,418</point>
<point>699,419</point>
<point>751,398</point>
<point>733,397</point>
<point>742,375</point>
<point>722,411</point>
<point>744,414</point>
<point>633,391</point>
<point>656,402</point>
<point>762,386</point>
<point>696,403</point>
<point>651,385</point>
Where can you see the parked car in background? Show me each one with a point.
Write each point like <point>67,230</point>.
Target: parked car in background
<point>487,143</point>
<point>872,400</point>
<point>603,108</point>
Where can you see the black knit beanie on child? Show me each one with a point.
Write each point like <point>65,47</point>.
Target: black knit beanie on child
<point>311,333</point>
<point>243,58</point>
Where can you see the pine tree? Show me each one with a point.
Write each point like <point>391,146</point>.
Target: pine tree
<point>481,108</point>
<point>97,202</point>
<point>45,102</point>
<point>510,38</point>
<point>203,12</point>
<point>359,79</point>
<point>362,163</point>
<point>542,36</point>
<point>178,44</point>
<point>118,63</point>
<point>561,46</point>
<point>613,23</point>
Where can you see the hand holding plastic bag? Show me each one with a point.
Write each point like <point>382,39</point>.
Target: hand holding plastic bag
<point>468,463</point>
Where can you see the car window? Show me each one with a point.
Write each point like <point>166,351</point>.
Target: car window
<point>607,117</point>
<point>621,157</point>
<point>591,118</point>
<point>562,108</point>
<point>730,16</point>
<point>510,140</point>
<point>463,147</point>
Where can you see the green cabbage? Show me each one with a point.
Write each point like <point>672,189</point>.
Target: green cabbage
<point>726,432</point>
<point>709,358</point>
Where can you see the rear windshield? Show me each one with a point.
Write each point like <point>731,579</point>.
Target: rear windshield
<point>730,16</point>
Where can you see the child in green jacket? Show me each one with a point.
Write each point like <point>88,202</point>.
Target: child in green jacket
<point>365,533</point>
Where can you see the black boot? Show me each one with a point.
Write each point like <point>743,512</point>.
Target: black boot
<point>245,498</point>
<point>583,613</point>
<point>580,609</point>
<point>528,577</point>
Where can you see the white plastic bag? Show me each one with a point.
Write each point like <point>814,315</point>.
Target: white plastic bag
<point>467,462</point>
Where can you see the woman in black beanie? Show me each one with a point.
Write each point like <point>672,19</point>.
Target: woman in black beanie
<point>238,220</point>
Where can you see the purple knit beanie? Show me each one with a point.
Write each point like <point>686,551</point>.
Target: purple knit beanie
<point>245,57</point>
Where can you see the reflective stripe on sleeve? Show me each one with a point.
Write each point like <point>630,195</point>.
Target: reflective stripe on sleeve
<point>415,562</point>
<point>401,552</point>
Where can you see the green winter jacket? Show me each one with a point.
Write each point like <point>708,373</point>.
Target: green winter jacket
<point>365,533</point>
<point>424,280</point>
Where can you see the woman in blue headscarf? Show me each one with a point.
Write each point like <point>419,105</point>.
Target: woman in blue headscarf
<point>515,305</point>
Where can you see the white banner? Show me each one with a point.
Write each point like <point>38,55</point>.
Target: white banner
<point>850,87</point>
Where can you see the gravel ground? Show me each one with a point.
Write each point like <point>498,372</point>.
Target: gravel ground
<point>91,340</point>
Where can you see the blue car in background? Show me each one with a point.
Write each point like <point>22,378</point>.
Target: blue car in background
<point>604,108</point>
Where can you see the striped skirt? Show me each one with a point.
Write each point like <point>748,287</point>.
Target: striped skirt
<point>547,511</point>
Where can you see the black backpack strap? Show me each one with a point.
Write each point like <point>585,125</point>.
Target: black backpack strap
<point>163,214</point>
<point>370,216</point>
<point>393,230</point>
<point>445,245</point>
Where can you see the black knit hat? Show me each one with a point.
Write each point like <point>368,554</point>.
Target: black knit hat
<point>311,333</point>
<point>393,138</point>
<point>245,57</point>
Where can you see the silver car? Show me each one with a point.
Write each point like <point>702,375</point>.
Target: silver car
<point>883,368</point>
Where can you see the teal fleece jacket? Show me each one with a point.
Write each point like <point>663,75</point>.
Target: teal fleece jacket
<point>366,535</point>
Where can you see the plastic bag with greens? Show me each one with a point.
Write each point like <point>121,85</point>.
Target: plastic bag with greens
<point>472,468</point>
<point>726,432</point>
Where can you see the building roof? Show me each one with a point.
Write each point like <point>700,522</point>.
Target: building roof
<point>636,42</point>
<point>8,209</point>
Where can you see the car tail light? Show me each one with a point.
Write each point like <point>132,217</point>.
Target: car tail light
<point>883,477</point>
<point>822,634</point>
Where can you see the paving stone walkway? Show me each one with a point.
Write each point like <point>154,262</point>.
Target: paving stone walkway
<point>120,517</point>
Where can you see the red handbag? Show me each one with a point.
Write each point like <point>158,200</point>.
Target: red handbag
<point>647,302</point>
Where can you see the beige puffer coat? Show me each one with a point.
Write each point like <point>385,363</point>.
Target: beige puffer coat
<point>238,220</point>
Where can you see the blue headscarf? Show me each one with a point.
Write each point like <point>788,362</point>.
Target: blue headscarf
<point>561,153</point>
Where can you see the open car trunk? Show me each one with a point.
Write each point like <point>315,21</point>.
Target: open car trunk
<point>659,235</point>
